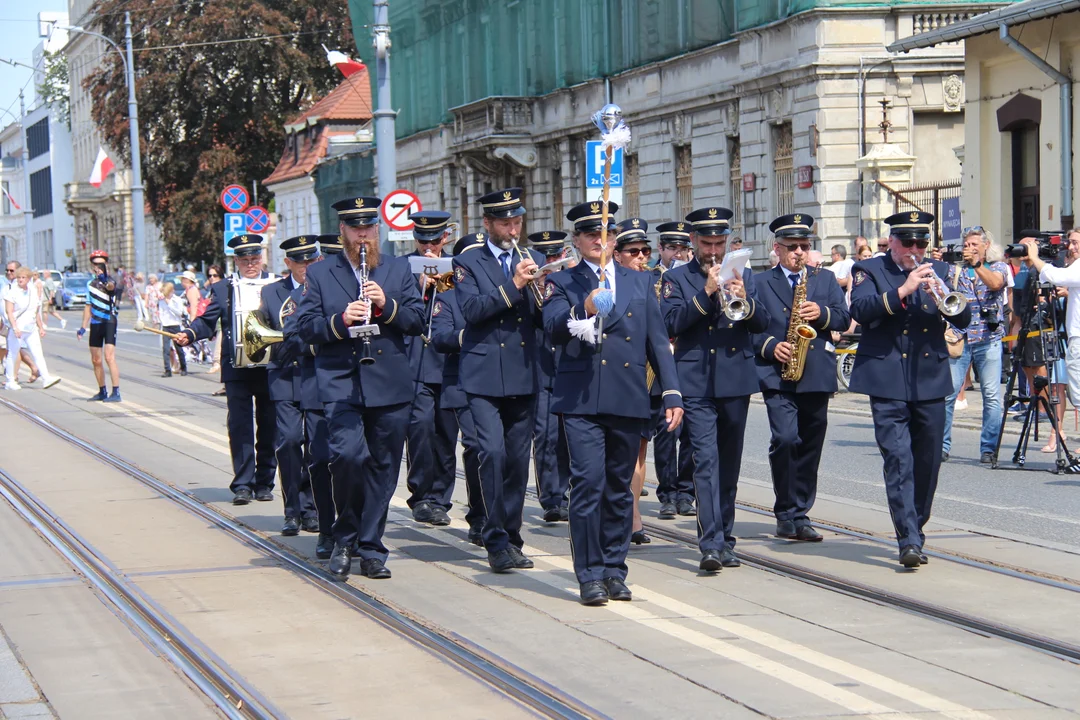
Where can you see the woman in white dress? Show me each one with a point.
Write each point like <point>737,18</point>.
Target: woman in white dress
<point>22,308</point>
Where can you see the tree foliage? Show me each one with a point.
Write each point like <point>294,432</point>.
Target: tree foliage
<point>212,106</point>
<point>55,90</point>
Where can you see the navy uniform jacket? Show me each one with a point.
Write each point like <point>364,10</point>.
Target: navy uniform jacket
<point>902,353</point>
<point>331,286</point>
<point>220,308</point>
<point>547,359</point>
<point>447,332</point>
<point>426,362</point>
<point>499,354</point>
<point>714,356</point>
<point>656,275</point>
<point>610,379</point>
<point>775,294</point>
<point>293,350</point>
<point>283,370</point>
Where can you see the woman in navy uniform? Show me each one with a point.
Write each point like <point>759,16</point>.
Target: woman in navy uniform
<point>550,461</point>
<point>251,438</point>
<point>499,373</point>
<point>432,436</point>
<point>600,390</point>
<point>366,405</point>
<point>903,365</point>
<point>798,411</point>
<point>284,378</point>
<point>447,332</point>
<point>715,359</point>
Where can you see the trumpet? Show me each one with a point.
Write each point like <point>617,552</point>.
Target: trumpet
<point>949,303</point>
<point>537,293</point>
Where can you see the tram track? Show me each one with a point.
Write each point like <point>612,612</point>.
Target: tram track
<point>494,671</point>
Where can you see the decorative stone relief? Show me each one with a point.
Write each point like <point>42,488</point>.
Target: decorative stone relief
<point>952,93</point>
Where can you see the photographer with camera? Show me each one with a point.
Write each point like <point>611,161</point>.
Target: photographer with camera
<point>1064,277</point>
<point>981,276</point>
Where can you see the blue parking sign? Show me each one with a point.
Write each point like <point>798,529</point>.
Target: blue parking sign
<point>235,224</point>
<point>594,165</point>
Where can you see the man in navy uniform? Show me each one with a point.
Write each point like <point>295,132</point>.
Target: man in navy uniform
<point>285,383</point>
<point>447,333</point>
<point>903,365</point>
<point>674,468</point>
<point>600,390</point>
<point>798,411</point>
<point>715,359</point>
<point>366,405</point>
<point>433,430</point>
<point>251,437</point>
<point>550,460</point>
<point>499,358</point>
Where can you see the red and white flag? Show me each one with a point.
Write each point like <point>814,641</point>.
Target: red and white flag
<point>102,167</point>
<point>11,199</point>
<point>343,62</point>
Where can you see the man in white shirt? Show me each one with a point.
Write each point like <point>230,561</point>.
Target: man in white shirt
<point>841,266</point>
<point>1069,278</point>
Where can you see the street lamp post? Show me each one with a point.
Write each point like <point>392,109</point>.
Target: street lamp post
<point>28,211</point>
<point>138,206</point>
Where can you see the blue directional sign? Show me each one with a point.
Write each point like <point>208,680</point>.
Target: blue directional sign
<point>950,219</point>
<point>594,165</point>
<point>235,224</point>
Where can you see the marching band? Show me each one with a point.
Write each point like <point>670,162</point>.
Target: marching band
<point>576,359</point>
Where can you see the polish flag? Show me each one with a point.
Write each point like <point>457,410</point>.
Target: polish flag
<point>343,62</point>
<point>11,200</point>
<point>102,167</point>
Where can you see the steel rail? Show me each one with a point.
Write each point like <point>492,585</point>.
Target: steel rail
<point>226,690</point>
<point>514,682</point>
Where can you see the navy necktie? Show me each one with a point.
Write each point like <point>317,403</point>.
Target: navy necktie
<point>504,259</point>
<point>794,280</point>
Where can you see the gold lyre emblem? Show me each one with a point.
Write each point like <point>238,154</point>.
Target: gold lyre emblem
<point>359,202</point>
<point>595,207</point>
<point>712,213</point>
<point>546,235</point>
<point>798,218</point>
<point>914,217</point>
<point>431,269</point>
<point>507,195</point>
<point>636,223</point>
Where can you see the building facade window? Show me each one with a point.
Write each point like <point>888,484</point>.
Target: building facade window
<point>784,169</point>
<point>631,192</point>
<point>735,176</point>
<point>41,192</point>
<point>37,138</point>
<point>684,180</point>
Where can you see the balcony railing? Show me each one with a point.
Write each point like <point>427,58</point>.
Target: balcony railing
<point>492,117</point>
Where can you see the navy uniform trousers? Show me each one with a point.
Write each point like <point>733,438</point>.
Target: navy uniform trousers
<point>470,454</point>
<point>365,446</point>
<point>672,460</point>
<point>797,423</point>
<point>254,465</point>
<point>432,448</point>
<point>318,459</point>
<point>289,450</point>
<point>504,428</point>
<point>603,502</point>
<point>909,435</point>
<point>717,427</point>
<point>550,458</point>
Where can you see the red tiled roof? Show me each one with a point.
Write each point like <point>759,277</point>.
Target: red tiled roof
<point>348,103</point>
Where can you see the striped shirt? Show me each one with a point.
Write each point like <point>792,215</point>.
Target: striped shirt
<point>104,305</point>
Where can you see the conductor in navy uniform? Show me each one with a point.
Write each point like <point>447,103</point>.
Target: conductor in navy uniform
<point>285,383</point>
<point>499,373</point>
<point>447,333</point>
<point>366,405</point>
<point>902,363</point>
<point>715,359</point>
<point>600,390</point>
<point>431,440</point>
<point>798,411</point>
<point>251,438</point>
<point>550,459</point>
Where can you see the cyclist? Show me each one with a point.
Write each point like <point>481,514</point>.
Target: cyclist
<point>103,295</point>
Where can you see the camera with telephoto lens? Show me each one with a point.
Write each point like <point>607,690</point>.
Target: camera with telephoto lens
<point>991,317</point>
<point>953,254</point>
<point>1051,246</point>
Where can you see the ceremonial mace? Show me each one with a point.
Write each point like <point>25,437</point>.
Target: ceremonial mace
<point>613,134</point>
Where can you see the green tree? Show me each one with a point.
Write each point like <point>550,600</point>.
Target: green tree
<point>212,102</point>
<point>55,91</point>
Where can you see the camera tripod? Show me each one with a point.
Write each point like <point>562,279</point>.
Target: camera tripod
<point>1037,299</point>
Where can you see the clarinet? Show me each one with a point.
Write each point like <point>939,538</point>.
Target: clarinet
<point>365,352</point>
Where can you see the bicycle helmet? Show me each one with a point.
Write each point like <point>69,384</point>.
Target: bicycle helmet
<point>94,255</point>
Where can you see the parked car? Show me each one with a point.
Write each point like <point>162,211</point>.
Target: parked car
<point>174,278</point>
<point>74,290</point>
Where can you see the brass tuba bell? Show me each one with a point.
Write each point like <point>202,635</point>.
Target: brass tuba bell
<point>257,338</point>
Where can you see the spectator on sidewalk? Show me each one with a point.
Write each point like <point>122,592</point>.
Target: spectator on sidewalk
<point>49,305</point>
<point>171,311</point>
<point>841,266</point>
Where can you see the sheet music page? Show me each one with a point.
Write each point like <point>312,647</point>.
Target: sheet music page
<point>430,266</point>
<point>734,263</point>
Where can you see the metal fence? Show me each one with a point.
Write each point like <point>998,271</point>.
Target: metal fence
<point>926,197</point>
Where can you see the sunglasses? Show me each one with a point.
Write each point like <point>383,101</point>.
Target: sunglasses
<point>634,252</point>
<point>805,247</point>
<point>973,229</point>
<point>921,244</point>
<point>98,264</point>
<point>9,271</point>
<point>429,242</point>
<point>214,275</point>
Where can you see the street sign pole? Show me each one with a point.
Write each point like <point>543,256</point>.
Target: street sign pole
<point>385,148</point>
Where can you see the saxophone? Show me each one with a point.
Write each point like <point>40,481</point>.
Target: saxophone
<point>799,335</point>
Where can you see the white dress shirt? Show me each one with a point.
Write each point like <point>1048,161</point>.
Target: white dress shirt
<point>609,274</point>
<point>1066,277</point>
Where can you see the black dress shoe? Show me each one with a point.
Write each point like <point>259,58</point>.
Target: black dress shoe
<point>423,512</point>
<point>644,492</point>
<point>667,511</point>
<point>324,547</point>
<point>552,514</point>
<point>291,527</point>
<point>341,562</point>
<point>685,507</point>
<point>476,535</point>
<point>785,529</point>
<point>728,559</point>
<point>167,373</point>
<point>242,496</point>
<point>593,593</point>
<point>374,569</point>
<point>616,589</point>
<point>923,559</point>
<point>500,561</point>
<point>439,516</point>
<point>564,514</point>
<point>909,556</point>
<point>808,534</point>
<point>310,524</point>
<point>183,373</point>
<point>710,561</point>
<point>520,561</point>
<point>640,538</point>
<point>264,494</point>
